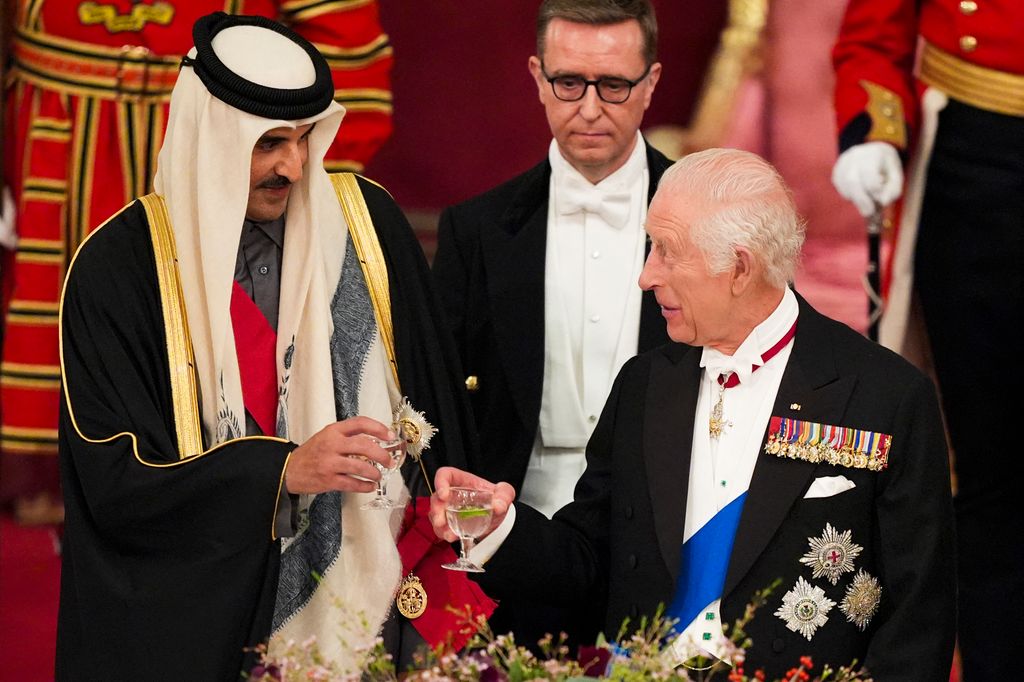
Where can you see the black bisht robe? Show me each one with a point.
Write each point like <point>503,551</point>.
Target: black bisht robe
<point>170,566</point>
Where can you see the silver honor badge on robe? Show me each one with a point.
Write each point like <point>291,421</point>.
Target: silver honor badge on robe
<point>412,597</point>
<point>862,598</point>
<point>832,554</point>
<point>805,608</point>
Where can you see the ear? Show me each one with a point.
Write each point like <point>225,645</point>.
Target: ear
<point>652,80</point>
<point>744,271</point>
<point>538,76</point>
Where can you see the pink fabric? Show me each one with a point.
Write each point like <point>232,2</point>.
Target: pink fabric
<point>786,115</point>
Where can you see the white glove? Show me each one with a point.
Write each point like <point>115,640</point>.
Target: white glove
<point>8,235</point>
<point>870,175</point>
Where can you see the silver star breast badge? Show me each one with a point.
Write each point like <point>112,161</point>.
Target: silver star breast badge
<point>862,598</point>
<point>832,554</point>
<point>804,608</point>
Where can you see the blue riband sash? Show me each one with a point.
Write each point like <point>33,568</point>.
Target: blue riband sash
<point>703,561</point>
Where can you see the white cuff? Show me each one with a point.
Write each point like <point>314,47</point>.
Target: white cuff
<point>486,548</point>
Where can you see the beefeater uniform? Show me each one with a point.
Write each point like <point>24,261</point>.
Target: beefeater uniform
<point>86,109</point>
<point>958,117</point>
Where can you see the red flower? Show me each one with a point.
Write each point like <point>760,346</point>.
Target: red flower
<point>806,662</point>
<point>759,675</point>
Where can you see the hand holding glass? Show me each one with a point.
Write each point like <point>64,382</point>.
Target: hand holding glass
<point>396,450</point>
<point>469,516</point>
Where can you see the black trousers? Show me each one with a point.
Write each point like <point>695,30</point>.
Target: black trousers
<point>969,274</point>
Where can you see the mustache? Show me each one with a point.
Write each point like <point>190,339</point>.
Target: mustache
<point>274,182</point>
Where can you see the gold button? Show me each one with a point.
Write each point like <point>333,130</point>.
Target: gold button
<point>968,43</point>
<point>472,383</point>
<point>968,7</point>
<point>888,111</point>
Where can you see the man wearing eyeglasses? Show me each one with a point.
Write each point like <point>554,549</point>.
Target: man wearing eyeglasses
<point>538,275</point>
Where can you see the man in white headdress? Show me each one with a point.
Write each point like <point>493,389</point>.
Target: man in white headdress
<point>227,347</point>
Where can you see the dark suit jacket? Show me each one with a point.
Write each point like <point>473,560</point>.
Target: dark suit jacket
<point>619,542</point>
<point>489,273</point>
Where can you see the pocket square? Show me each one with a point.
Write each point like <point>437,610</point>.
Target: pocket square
<point>827,486</point>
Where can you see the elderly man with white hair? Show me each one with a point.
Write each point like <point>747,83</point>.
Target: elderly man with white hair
<point>768,442</point>
<point>233,349</point>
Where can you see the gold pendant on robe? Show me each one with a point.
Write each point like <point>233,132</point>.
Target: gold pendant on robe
<point>412,597</point>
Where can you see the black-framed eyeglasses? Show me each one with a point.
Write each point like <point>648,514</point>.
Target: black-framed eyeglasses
<point>572,88</point>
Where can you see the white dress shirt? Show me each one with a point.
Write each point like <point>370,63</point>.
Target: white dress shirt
<point>721,469</point>
<point>595,251</point>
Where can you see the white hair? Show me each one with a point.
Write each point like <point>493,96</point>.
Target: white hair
<point>747,204</point>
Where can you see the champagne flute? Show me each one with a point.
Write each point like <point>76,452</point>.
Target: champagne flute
<point>469,516</point>
<point>396,451</point>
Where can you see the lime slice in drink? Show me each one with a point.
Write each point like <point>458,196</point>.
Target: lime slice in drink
<point>472,512</point>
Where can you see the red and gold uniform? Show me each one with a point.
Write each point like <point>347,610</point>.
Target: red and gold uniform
<point>943,81</point>
<point>87,100</point>
<point>972,50</point>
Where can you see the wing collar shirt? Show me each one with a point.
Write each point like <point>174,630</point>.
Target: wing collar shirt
<point>595,251</point>
<point>721,468</point>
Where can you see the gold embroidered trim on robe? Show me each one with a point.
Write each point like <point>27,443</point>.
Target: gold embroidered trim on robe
<point>180,359</point>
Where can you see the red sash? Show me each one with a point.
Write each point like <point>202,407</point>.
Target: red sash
<point>256,347</point>
<point>423,553</point>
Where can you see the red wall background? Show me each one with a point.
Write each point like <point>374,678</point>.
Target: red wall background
<point>466,110</point>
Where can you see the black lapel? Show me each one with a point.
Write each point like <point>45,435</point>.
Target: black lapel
<point>671,405</point>
<point>811,382</point>
<point>514,256</point>
<point>653,332</point>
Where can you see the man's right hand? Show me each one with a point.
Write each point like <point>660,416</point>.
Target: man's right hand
<point>502,496</point>
<point>335,455</point>
<point>870,175</point>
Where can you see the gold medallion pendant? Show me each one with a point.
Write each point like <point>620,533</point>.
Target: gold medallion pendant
<point>412,597</point>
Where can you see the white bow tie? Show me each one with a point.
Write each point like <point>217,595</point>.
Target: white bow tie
<point>578,195</point>
<point>715,363</point>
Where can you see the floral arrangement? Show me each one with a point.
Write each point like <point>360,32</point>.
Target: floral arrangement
<point>498,658</point>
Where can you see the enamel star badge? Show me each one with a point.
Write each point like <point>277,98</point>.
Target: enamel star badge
<point>832,554</point>
<point>805,608</point>
<point>862,598</point>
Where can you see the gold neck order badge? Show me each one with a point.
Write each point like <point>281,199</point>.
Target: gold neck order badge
<point>717,422</point>
<point>412,597</point>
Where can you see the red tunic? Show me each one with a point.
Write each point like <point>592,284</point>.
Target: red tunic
<point>86,108</point>
<point>878,43</point>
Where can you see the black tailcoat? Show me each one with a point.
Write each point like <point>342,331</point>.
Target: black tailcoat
<point>489,273</point>
<point>618,543</point>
